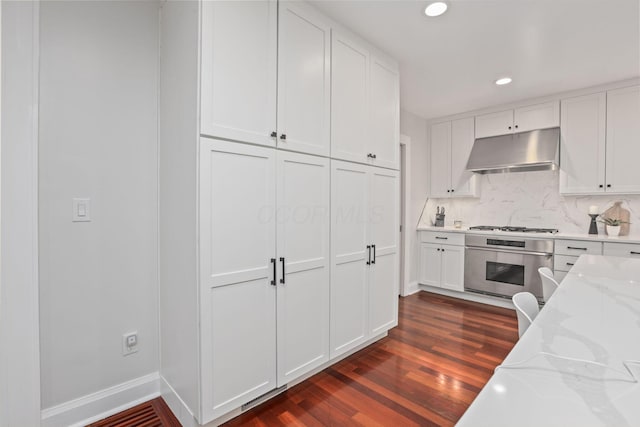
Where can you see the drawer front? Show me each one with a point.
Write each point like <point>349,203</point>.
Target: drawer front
<point>563,262</point>
<point>442,238</point>
<point>628,250</point>
<point>578,247</point>
<point>560,275</point>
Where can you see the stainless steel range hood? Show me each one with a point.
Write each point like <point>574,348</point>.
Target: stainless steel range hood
<point>520,152</point>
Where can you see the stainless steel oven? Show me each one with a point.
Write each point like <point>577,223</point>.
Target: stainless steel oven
<point>505,265</point>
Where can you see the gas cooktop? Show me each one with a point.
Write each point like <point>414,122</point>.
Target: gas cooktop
<point>513,229</point>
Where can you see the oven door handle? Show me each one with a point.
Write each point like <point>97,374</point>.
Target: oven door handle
<point>546,254</point>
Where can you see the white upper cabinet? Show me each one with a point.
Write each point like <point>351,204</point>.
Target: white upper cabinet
<point>599,150</point>
<point>623,140</point>
<point>539,116</point>
<point>384,125</point>
<point>250,54</point>
<point>304,80</point>
<point>441,160</point>
<point>582,155</point>
<point>531,117</point>
<point>349,98</point>
<point>364,105</point>
<point>463,182</point>
<point>239,51</point>
<point>492,124</point>
<point>451,144</point>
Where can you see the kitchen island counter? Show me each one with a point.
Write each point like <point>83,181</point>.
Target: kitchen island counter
<point>570,366</point>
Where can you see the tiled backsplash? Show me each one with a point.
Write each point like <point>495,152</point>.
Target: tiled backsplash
<point>529,199</point>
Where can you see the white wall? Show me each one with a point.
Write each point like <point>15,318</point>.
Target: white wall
<point>416,128</point>
<point>98,139</point>
<point>19,358</point>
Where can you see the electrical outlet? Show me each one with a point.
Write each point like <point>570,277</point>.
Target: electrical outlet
<point>130,343</point>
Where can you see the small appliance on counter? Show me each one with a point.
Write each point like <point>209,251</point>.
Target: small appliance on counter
<point>439,217</point>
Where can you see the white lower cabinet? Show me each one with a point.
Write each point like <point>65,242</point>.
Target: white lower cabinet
<point>364,253</point>
<point>264,262</point>
<point>627,250</point>
<point>442,266</point>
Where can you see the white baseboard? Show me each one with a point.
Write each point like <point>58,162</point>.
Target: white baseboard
<point>102,404</point>
<point>176,404</point>
<point>411,288</point>
<point>470,296</point>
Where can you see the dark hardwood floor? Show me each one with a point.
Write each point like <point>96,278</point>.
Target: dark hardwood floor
<point>425,373</point>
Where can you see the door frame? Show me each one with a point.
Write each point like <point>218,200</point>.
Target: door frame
<point>19,291</point>
<point>405,196</point>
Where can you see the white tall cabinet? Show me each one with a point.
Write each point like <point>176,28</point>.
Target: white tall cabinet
<point>364,253</point>
<point>249,301</point>
<point>365,125</point>
<point>253,50</point>
<point>239,63</point>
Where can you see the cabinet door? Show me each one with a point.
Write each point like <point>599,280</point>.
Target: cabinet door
<point>349,99</point>
<point>303,251</point>
<point>384,127</point>
<point>463,182</point>
<point>623,140</point>
<point>453,267</point>
<point>237,300</point>
<point>349,255</point>
<point>539,116</point>
<point>239,62</point>
<point>493,124</point>
<point>430,264</point>
<point>304,81</point>
<point>384,213</point>
<point>582,147</point>
<point>441,160</point>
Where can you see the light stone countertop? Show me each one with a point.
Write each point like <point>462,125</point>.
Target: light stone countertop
<point>635,239</point>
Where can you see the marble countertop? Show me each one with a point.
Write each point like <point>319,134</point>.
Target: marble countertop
<point>568,236</point>
<point>569,366</point>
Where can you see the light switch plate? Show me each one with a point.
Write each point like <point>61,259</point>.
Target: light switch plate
<point>81,210</point>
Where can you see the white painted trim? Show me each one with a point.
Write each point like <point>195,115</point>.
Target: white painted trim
<point>408,255</point>
<point>176,404</point>
<point>412,288</point>
<point>19,311</point>
<point>102,404</point>
<point>469,296</point>
<point>538,100</point>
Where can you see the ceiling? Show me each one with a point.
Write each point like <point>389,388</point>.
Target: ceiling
<point>449,64</point>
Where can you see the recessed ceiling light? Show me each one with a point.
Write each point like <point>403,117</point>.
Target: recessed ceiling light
<point>436,8</point>
<point>503,81</point>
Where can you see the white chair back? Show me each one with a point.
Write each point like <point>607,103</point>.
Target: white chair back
<point>549,283</point>
<point>526,308</point>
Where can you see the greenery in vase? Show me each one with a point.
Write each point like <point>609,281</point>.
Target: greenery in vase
<point>613,222</point>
